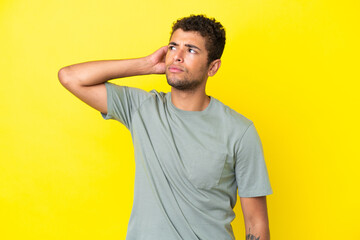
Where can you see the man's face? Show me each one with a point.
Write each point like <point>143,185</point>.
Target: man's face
<point>186,60</point>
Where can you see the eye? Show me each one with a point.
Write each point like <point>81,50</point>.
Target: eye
<point>192,50</point>
<point>171,47</point>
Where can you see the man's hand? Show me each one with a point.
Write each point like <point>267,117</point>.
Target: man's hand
<point>157,60</point>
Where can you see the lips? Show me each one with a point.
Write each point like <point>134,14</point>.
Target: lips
<point>175,69</point>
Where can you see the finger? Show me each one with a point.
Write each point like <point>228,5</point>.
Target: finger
<point>164,48</point>
<point>163,51</point>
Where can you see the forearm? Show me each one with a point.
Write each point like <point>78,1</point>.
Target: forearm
<point>258,232</point>
<point>96,72</point>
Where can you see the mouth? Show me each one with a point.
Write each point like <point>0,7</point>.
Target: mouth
<point>175,69</point>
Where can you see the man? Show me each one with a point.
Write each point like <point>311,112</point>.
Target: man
<point>192,152</point>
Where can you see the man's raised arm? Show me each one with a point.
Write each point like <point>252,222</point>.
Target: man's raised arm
<point>86,80</point>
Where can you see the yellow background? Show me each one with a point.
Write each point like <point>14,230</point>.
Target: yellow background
<point>290,66</point>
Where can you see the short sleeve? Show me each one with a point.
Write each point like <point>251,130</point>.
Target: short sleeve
<point>122,102</point>
<point>251,172</point>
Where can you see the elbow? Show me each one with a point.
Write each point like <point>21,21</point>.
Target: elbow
<point>67,77</point>
<point>63,76</point>
<point>259,228</point>
<point>262,221</point>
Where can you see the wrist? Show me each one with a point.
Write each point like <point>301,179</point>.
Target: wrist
<point>147,65</point>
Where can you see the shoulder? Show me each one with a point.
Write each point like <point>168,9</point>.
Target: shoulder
<point>157,94</point>
<point>231,116</point>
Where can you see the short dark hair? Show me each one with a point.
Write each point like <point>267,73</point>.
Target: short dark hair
<point>209,28</point>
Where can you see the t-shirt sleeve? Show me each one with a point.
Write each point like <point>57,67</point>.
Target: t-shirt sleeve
<point>251,172</point>
<point>122,102</point>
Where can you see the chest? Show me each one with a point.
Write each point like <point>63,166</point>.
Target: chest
<point>200,146</point>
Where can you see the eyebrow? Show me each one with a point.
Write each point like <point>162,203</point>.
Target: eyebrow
<point>187,45</point>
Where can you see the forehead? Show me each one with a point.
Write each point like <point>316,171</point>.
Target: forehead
<point>188,37</point>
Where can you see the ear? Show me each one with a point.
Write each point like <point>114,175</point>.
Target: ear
<point>214,67</point>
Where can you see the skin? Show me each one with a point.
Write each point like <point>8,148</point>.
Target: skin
<point>187,70</point>
<point>184,62</point>
<point>255,217</point>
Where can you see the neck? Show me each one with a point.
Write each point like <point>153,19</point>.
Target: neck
<point>190,100</point>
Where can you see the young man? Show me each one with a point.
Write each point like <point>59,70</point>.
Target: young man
<point>192,152</point>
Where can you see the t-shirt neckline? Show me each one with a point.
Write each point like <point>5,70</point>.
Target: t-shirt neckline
<point>188,113</point>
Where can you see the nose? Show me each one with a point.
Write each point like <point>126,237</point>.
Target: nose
<point>179,56</point>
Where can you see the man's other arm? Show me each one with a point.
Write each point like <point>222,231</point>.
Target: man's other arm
<point>255,218</point>
<point>86,80</point>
